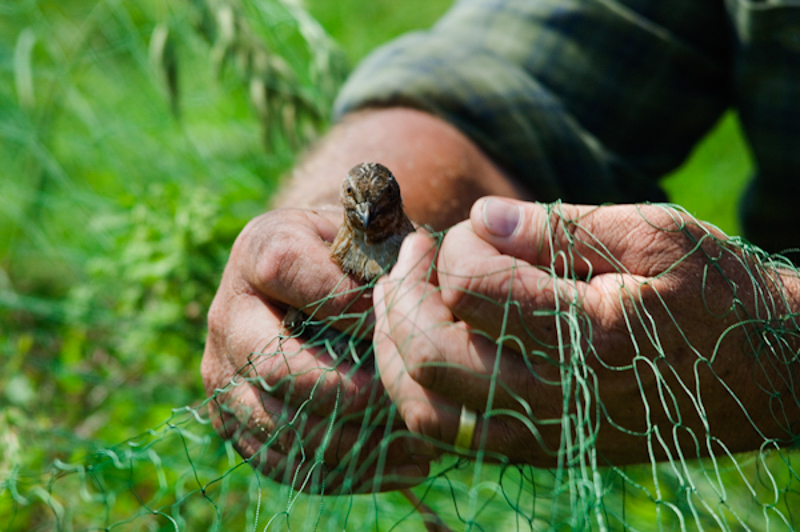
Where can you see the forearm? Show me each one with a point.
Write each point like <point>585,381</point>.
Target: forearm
<point>440,171</point>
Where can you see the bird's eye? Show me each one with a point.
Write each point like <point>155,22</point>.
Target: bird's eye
<point>349,190</point>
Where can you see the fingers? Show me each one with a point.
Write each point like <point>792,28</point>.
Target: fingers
<point>586,239</point>
<point>491,319</point>
<point>283,256</point>
<point>408,395</point>
<point>267,271</point>
<point>523,306</point>
<point>459,342</point>
<point>249,348</point>
<point>247,337</point>
<point>430,364</point>
<point>299,416</point>
<point>533,269</point>
<point>537,233</point>
<point>314,453</point>
<point>437,352</point>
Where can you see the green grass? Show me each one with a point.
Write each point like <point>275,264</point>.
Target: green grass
<point>116,215</point>
<point>361,26</point>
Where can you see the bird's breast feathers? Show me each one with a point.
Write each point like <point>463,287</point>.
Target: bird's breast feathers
<point>365,260</point>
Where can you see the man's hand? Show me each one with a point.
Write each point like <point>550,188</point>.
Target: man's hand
<point>662,333</point>
<point>295,412</point>
<point>276,398</point>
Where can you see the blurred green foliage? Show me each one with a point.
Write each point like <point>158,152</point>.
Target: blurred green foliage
<point>132,143</point>
<point>132,149</point>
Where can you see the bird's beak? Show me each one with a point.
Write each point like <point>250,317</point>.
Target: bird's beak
<point>363,211</point>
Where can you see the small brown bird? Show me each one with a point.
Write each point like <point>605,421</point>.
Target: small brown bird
<point>374,225</point>
<point>366,246</point>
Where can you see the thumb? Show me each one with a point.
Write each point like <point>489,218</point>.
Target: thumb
<point>547,234</point>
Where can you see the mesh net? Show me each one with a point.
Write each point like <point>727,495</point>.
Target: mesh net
<point>179,475</point>
<point>705,484</point>
<point>103,425</point>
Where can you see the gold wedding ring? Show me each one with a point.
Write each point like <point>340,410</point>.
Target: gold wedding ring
<point>466,429</point>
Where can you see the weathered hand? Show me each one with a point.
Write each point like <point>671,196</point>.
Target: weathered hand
<point>274,398</point>
<point>668,335</point>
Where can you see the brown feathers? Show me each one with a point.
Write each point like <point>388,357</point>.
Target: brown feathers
<point>374,225</point>
<point>366,246</point>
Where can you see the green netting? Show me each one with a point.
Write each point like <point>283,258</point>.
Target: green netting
<point>103,421</point>
<point>179,476</point>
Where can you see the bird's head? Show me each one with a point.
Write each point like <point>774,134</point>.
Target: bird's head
<point>371,198</point>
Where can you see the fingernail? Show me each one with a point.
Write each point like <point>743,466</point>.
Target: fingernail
<point>501,217</point>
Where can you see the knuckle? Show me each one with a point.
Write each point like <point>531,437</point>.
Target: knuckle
<point>209,370</point>
<point>470,283</point>
<point>269,245</point>
<point>455,271</point>
<point>217,316</point>
<point>460,283</point>
<point>455,292</point>
<point>275,261</point>
<point>423,359</point>
<point>250,235</point>
<point>474,296</point>
<point>421,418</point>
<point>424,370</point>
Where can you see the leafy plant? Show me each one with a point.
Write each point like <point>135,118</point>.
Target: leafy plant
<point>129,138</point>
